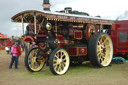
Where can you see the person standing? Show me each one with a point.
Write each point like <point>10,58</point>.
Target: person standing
<point>23,45</point>
<point>16,52</point>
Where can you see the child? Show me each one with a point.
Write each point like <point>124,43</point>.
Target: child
<point>16,52</point>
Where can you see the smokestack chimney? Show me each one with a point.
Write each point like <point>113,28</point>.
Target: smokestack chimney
<point>46,5</point>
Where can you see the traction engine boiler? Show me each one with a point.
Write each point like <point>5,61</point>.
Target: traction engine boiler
<point>61,39</point>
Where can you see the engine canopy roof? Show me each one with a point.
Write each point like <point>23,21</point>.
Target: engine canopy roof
<point>28,17</point>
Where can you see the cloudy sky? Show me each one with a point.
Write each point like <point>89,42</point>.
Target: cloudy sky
<point>110,9</point>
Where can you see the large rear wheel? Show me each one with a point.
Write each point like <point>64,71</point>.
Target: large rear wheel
<point>34,61</point>
<point>100,50</point>
<point>59,61</point>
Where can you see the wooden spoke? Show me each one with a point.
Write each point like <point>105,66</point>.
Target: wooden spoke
<point>34,62</point>
<point>60,61</point>
<point>104,47</point>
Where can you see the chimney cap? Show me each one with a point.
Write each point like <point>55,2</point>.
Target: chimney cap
<point>45,1</point>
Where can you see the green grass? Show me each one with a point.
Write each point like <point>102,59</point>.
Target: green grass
<point>78,70</point>
<point>84,74</point>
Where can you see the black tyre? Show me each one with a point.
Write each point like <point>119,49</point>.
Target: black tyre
<point>59,61</point>
<point>100,50</point>
<point>34,62</point>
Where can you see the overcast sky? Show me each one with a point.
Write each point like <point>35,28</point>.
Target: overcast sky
<point>110,9</point>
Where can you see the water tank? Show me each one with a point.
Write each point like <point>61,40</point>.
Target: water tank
<point>68,10</point>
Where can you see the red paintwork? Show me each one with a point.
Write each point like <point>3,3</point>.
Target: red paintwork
<point>119,27</point>
<point>72,50</point>
<point>78,34</point>
<point>61,41</point>
<point>82,51</point>
<point>9,42</point>
<point>77,50</point>
<point>89,27</point>
<point>71,31</point>
<point>4,41</point>
<point>28,38</point>
<point>2,36</point>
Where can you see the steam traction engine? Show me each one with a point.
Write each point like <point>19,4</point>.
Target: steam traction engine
<point>62,39</point>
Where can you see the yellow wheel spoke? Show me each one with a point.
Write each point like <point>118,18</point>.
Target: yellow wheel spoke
<point>56,57</point>
<point>63,65</point>
<point>54,61</point>
<point>60,68</point>
<point>55,67</point>
<point>62,55</point>
<point>64,59</point>
<point>32,64</point>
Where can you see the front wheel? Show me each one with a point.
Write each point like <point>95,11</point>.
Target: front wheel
<point>34,61</point>
<point>100,50</point>
<point>59,61</point>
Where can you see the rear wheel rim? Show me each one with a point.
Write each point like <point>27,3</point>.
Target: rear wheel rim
<point>35,64</point>
<point>61,61</point>
<point>104,50</point>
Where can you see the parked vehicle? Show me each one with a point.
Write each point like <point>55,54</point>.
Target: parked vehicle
<point>62,39</point>
<point>119,36</point>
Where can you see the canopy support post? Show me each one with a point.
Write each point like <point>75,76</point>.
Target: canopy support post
<point>35,22</point>
<point>56,27</point>
<point>22,24</point>
<point>101,27</point>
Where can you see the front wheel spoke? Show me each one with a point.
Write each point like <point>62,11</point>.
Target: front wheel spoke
<point>36,63</point>
<point>63,65</point>
<point>64,60</point>
<point>32,65</point>
<point>54,61</point>
<point>56,57</point>
<point>62,56</point>
<point>55,67</point>
<point>31,55</point>
<point>59,68</point>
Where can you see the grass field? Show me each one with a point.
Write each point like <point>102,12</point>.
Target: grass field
<point>85,74</point>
